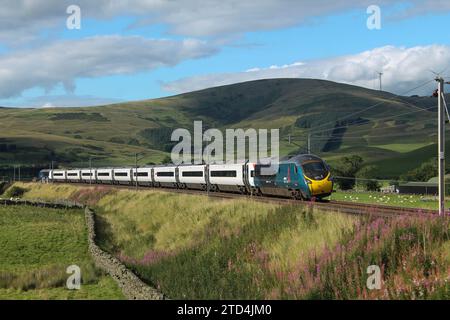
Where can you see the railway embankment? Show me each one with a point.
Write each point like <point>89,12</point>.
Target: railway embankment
<point>191,246</point>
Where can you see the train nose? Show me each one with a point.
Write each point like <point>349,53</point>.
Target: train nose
<point>321,187</point>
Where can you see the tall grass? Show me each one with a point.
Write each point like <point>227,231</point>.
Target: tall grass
<point>152,220</point>
<point>233,265</point>
<point>195,247</point>
<point>408,251</point>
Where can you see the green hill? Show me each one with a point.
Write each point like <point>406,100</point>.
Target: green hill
<point>392,130</point>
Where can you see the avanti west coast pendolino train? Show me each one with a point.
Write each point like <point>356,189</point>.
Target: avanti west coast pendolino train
<point>301,177</point>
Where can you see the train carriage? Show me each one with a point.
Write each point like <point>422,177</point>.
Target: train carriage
<point>192,176</point>
<point>57,175</point>
<point>144,176</point>
<point>301,177</point>
<point>73,175</point>
<point>122,176</point>
<point>105,176</point>
<point>88,176</point>
<point>165,176</point>
<point>227,177</point>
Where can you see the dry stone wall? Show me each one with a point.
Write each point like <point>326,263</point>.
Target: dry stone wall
<point>132,287</point>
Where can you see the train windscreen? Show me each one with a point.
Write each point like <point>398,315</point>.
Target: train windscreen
<point>316,170</point>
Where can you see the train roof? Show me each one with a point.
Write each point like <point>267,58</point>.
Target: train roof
<point>302,158</point>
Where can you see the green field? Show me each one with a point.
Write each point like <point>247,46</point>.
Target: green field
<point>195,247</point>
<point>113,134</point>
<point>390,199</point>
<point>37,245</point>
<point>403,147</point>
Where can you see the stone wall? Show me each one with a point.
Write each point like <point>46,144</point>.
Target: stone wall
<point>43,204</point>
<point>132,287</point>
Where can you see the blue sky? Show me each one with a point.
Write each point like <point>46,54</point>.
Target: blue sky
<point>328,38</point>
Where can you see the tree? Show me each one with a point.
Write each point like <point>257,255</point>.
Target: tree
<point>368,178</point>
<point>424,172</point>
<point>347,169</point>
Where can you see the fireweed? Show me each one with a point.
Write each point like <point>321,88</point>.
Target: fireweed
<point>406,249</point>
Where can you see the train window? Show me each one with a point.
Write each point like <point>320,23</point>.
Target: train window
<point>260,172</point>
<point>192,174</point>
<point>295,169</point>
<point>224,173</point>
<point>141,174</point>
<point>86,174</point>
<point>164,174</point>
<point>315,170</point>
<point>103,174</point>
<point>252,173</point>
<point>72,174</point>
<point>58,174</point>
<point>121,174</point>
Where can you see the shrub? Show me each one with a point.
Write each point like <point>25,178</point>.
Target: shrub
<point>347,168</point>
<point>15,192</point>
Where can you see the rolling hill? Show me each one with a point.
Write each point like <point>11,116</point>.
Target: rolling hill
<point>337,116</point>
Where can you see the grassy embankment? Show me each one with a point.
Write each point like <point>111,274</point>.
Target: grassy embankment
<point>37,245</point>
<point>195,247</point>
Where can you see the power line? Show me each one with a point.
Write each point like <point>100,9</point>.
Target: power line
<point>368,179</point>
<point>377,119</point>
<point>364,137</point>
<point>372,106</point>
<point>362,124</point>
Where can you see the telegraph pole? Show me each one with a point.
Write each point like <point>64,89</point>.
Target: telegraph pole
<point>135,170</point>
<point>136,167</point>
<point>309,143</point>
<point>90,169</point>
<point>441,145</point>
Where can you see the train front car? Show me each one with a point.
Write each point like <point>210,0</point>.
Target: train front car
<point>316,174</point>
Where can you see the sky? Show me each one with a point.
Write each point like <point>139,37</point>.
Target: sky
<point>143,49</point>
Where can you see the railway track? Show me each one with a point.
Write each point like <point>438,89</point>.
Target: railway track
<point>332,205</point>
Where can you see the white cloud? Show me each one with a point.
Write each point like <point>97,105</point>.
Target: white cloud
<point>403,69</point>
<point>59,101</point>
<point>65,61</point>
<point>21,20</point>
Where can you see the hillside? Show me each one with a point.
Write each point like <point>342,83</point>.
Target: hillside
<point>112,134</point>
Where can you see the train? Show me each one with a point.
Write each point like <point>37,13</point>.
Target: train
<point>302,177</point>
